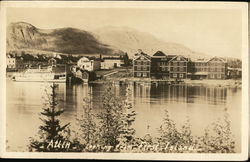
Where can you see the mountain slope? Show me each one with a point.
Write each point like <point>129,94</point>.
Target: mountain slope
<point>23,36</point>
<point>130,40</point>
<point>107,40</point>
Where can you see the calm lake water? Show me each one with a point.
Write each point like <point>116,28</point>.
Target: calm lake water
<point>201,104</point>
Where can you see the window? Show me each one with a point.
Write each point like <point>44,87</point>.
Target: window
<point>218,76</point>
<point>144,74</point>
<point>174,75</point>
<point>181,75</point>
<point>211,75</point>
<point>138,74</point>
<point>138,67</point>
<point>144,68</point>
<point>135,62</point>
<point>135,67</point>
<point>181,69</point>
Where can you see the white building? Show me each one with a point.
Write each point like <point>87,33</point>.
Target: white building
<point>14,63</point>
<point>86,64</point>
<point>110,63</point>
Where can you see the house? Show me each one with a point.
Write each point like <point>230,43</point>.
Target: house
<point>111,62</point>
<point>217,68</point>
<point>54,61</point>
<point>178,67</point>
<point>160,66</point>
<point>141,65</point>
<point>14,63</point>
<point>84,75</point>
<point>88,64</point>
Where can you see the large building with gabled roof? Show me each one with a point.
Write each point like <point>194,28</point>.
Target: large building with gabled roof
<point>141,65</point>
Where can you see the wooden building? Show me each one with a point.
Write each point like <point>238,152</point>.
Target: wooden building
<point>217,68</point>
<point>141,65</point>
<point>160,66</point>
<point>178,67</point>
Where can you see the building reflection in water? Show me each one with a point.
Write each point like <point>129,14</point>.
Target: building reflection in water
<point>201,103</point>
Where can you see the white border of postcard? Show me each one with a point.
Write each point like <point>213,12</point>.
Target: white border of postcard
<point>129,4</point>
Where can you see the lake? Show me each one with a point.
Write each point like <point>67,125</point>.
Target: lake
<point>201,104</point>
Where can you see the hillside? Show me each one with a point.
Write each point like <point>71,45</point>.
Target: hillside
<point>22,36</point>
<point>130,40</point>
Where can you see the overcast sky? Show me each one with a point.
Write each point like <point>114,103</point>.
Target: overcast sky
<point>210,31</point>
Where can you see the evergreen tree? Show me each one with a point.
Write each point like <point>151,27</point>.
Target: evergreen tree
<point>110,125</point>
<point>87,124</point>
<point>52,136</point>
<point>128,117</point>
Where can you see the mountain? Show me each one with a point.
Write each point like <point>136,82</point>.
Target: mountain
<point>130,40</point>
<point>22,36</point>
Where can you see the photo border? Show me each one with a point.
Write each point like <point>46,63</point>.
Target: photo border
<point>130,4</point>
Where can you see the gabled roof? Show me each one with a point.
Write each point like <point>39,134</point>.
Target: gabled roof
<point>137,56</point>
<point>177,57</point>
<point>159,53</point>
<point>220,59</point>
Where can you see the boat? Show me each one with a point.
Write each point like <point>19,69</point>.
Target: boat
<point>40,75</point>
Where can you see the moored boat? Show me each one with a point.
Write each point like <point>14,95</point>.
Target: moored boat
<point>40,75</point>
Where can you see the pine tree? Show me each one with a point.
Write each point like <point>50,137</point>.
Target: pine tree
<point>87,124</point>
<point>52,136</point>
<point>128,117</point>
<point>110,125</point>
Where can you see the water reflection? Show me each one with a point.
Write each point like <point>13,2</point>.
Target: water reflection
<point>203,105</point>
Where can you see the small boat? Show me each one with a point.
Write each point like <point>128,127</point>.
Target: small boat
<point>40,75</point>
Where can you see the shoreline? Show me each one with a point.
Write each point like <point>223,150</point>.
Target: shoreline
<point>219,83</point>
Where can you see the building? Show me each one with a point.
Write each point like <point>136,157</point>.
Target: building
<point>112,62</point>
<point>178,67</point>
<point>87,64</point>
<point>141,65</point>
<point>234,73</point>
<point>217,68</point>
<point>160,66</point>
<point>54,61</point>
<point>84,75</point>
<point>14,63</point>
<point>198,69</point>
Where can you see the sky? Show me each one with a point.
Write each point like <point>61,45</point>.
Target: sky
<point>216,32</point>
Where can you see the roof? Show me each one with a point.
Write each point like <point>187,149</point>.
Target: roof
<point>200,60</point>
<point>178,56</point>
<point>136,56</point>
<point>219,58</point>
<point>160,53</point>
